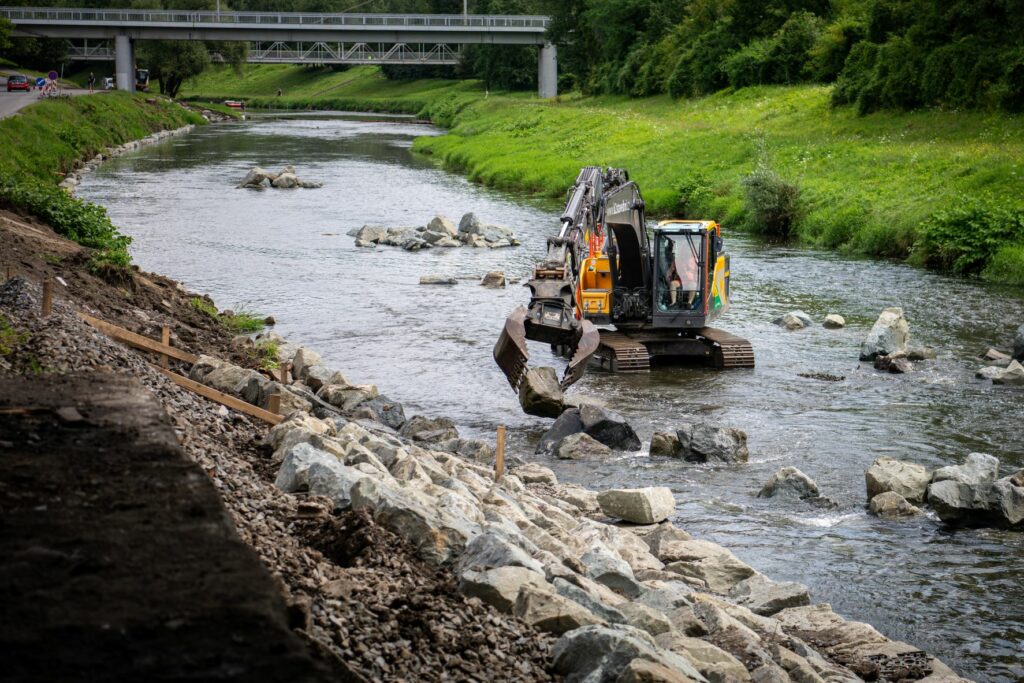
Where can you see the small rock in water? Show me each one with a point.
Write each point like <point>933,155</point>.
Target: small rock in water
<point>579,446</point>
<point>789,482</point>
<point>794,320</point>
<point>989,372</point>
<point>1018,344</point>
<point>494,279</point>
<point>1014,374</point>
<point>269,320</point>
<point>437,280</point>
<point>364,244</point>
<point>608,427</point>
<point>567,423</point>
<point>922,353</point>
<point>888,336</point>
<point>892,504</point>
<point>664,443</point>
<point>834,321</point>
<point>703,442</point>
<point>540,393</point>
<point>442,224</point>
<point>823,376</point>
<point>996,355</point>
<point>908,479</point>
<point>641,506</point>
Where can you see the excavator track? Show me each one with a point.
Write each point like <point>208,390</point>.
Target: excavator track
<point>729,351</point>
<point>618,352</point>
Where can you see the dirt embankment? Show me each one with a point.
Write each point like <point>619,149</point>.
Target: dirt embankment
<point>364,606</point>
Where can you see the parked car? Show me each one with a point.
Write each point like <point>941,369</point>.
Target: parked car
<point>18,82</point>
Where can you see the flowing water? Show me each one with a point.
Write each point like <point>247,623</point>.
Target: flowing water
<point>958,594</point>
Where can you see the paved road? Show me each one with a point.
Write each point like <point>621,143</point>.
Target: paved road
<point>11,102</point>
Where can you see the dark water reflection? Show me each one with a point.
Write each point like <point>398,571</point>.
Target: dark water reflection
<point>959,594</point>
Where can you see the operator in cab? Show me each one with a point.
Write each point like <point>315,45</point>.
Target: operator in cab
<point>681,274</point>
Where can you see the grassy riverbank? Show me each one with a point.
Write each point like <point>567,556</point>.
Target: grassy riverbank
<point>47,139</point>
<point>361,88</point>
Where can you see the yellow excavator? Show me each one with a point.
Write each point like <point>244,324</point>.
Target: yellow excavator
<point>658,288</point>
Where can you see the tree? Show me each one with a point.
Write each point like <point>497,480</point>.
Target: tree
<point>172,61</point>
<point>5,33</point>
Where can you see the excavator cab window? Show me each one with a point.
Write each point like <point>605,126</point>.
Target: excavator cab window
<point>679,271</point>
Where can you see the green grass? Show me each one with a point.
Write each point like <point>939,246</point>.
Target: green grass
<point>10,338</point>
<point>238,321</point>
<point>362,88</point>
<point>204,306</point>
<point>215,107</point>
<point>867,183</point>
<point>267,353</point>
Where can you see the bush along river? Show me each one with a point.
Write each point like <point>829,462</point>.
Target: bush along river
<point>956,593</point>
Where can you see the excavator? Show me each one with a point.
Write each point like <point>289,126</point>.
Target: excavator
<point>653,291</point>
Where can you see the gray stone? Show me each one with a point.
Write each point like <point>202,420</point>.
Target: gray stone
<point>470,224</point>
<point>257,177</point>
<point>427,430</point>
<point>490,550</point>
<point>708,562</point>
<point>334,481</point>
<point>996,355</point>
<point>285,181</point>
<point>922,353</point>
<point>476,450</point>
<point>989,372</point>
<point>1018,344</point>
<point>386,411</point>
<point>660,538</point>
<point>601,565</point>
<point>581,447</point>
<point>789,482</point>
<point>437,279</point>
<point>908,479</point>
<point>302,361</point>
<point>717,665</point>
<point>551,612</point>
<point>1007,499</point>
<point>494,280</point>
<point>292,475</point>
<point>794,320</point>
<point>532,473</point>
<point>442,224</point>
<point>961,494</point>
<point>764,596</point>
<point>702,442</point>
<point>592,602</point>
<point>665,443</point>
<point>540,393</point>
<point>645,618</point>
<point>317,376</point>
<point>567,423</point>
<point>347,397</point>
<point>978,469</point>
<point>643,671</point>
<point>370,233</point>
<point>608,427</point>
<point>888,335</point>
<point>891,504</point>
<point>1013,374</point>
<point>834,321</point>
<point>500,587</point>
<point>641,506</point>
<point>599,654</point>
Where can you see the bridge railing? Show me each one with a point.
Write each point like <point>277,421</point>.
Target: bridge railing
<point>59,15</point>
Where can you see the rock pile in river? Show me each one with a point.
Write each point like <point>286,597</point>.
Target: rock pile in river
<point>702,442</point>
<point>599,423</point>
<point>889,335</point>
<point>440,232</point>
<point>971,494</point>
<point>258,178</point>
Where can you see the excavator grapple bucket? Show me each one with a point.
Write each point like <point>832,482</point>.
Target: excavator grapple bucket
<point>586,345</point>
<point>510,352</point>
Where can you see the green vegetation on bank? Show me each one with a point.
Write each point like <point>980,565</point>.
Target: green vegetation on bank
<point>940,188</point>
<point>47,139</point>
<point>362,88</point>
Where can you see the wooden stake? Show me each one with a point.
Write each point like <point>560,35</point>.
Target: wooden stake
<point>499,455</point>
<point>47,297</point>
<point>274,405</point>
<point>10,271</point>
<point>138,341</point>
<point>165,338</point>
<point>284,372</point>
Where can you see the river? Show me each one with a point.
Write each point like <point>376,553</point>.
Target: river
<point>958,594</point>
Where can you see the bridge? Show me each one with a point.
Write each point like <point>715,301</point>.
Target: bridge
<point>356,38</point>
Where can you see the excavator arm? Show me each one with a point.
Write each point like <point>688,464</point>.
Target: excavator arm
<point>553,316</point>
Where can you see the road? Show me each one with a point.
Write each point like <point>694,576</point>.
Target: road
<point>11,102</point>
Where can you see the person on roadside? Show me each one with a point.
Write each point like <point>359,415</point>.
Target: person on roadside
<point>92,81</point>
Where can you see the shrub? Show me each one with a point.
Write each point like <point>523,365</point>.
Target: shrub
<point>772,204</point>
<point>1012,85</point>
<point>1007,265</point>
<point>856,74</point>
<point>751,65</point>
<point>695,194</point>
<point>965,237</point>
<point>827,56</point>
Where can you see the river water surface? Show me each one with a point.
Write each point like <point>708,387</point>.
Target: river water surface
<point>957,594</point>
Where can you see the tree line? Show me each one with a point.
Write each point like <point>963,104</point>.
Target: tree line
<point>880,54</point>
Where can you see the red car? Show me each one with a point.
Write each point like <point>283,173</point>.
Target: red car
<point>18,82</point>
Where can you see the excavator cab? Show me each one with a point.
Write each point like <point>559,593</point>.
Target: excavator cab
<point>691,274</point>
<point>680,262</point>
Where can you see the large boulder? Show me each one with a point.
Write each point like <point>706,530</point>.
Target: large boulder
<point>1018,344</point>
<point>580,447</point>
<point>568,422</point>
<point>1007,499</point>
<point>794,320</point>
<point>600,654</point>
<point>888,335</point>
<point>908,479</point>
<point>764,596</point>
<point>257,177</point>
<point>789,482</point>
<point>437,280</point>
<point>370,233</point>
<point>891,504</point>
<point>494,280</point>
<point>640,506</point>
<point>490,550</point>
<point>532,473</point>
<point>292,476</point>
<point>444,225</point>
<point>540,393</point>
<point>429,430</point>
<point>707,562</point>
<point>285,181</point>
<point>979,469</point>
<point>664,443</point>
<point>500,586</point>
<point>470,224</point>
<point>386,411</point>
<point>713,662</point>
<point>608,427</point>
<point>551,612</point>
<point>961,494</point>
<point>703,442</point>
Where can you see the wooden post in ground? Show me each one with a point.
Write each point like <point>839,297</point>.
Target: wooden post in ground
<point>9,272</point>
<point>47,296</point>
<point>165,338</point>
<point>284,367</point>
<point>499,454</point>
<point>274,404</point>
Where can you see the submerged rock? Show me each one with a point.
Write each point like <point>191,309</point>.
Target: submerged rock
<point>608,427</point>
<point>888,335</point>
<point>789,482</point>
<point>834,321</point>
<point>1013,374</point>
<point>437,280</point>
<point>494,280</point>
<point>1018,344</point>
<point>703,442</point>
<point>568,423</point>
<point>665,443</point>
<point>921,353</point>
<point>580,446</point>
<point>640,506</point>
<point>540,393</point>
<point>794,320</point>
<point>892,504</point>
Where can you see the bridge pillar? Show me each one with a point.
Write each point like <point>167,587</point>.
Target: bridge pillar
<point>124,63</point>
<point>547,71</point>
